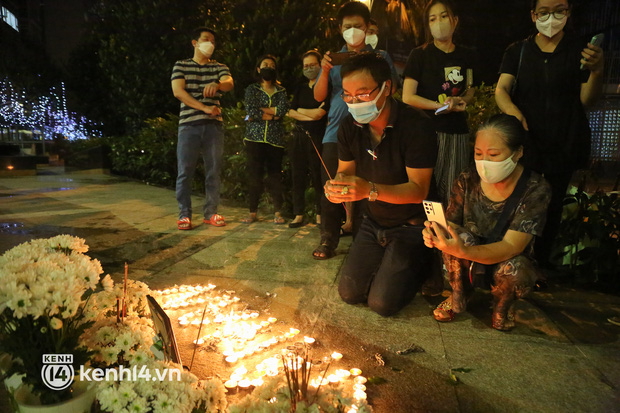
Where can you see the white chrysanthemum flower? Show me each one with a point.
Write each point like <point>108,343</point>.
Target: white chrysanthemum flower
<point>108,284</point>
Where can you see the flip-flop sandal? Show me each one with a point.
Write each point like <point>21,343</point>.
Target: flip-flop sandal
<point>216,220</point>
<point>323,252</point>
<point>249,220</point>
<point>279,220</point>
<point>184,224</point>
<point>444,312</point>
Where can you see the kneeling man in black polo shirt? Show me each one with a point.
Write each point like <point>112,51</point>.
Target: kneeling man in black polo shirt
<point>386,154</point>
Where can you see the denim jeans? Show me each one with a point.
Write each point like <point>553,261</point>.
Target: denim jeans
<point>385,267</point>
<point>195,140</point>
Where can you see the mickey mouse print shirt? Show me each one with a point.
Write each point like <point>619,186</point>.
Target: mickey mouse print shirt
<point>442,75</point>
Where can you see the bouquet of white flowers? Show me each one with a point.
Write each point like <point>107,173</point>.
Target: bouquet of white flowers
<point>172,392</point>
<point>45,286</point>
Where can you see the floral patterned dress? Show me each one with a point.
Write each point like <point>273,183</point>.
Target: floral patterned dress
<point>477,215</point>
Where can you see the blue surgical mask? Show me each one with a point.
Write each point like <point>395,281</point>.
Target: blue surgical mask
<point>366,112</point>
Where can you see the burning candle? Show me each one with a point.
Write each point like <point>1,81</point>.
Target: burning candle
<point>333,379</point>
<point>360,380</point>
<point>231,386</point>
<point>359,387</point>
<point>231,359</point>
<point>309,340</point>
<point>355,372</point>
<point>272,320</point>
<point>336,356</point>
<point>183,322</point>
<point>343,374</point>
<point>359,395</point>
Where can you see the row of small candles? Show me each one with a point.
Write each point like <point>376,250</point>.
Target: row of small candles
<point>236,333</point>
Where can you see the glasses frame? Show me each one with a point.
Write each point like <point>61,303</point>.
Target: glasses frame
<point>543,16</point>
<point>358,98</point>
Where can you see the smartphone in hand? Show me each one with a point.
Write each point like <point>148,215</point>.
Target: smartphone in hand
<point>597,40</point>
<point>435,213</point>
<point>340,58</point>
<point>442,109</point>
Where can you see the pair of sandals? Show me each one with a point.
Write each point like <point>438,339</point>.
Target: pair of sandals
<point>185,224</point>
<point>445,313</point>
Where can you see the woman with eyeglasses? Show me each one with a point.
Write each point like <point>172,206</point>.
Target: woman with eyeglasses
<point>307,137</point>
<point>545,82</point>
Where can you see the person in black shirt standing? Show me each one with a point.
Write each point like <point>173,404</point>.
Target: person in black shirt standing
<point>549,98</point>
<point>386,155</point>
<point>311,121</point>
<point>441,73</point>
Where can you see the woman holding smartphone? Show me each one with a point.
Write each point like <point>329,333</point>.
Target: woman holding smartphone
<point>477,203</point>
<point>439,76</point>
<point>542,85</point>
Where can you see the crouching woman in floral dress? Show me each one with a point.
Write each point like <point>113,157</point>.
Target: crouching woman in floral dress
<point>478,198</point>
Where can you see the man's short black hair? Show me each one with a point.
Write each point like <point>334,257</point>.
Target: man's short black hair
<point>198,32</point>
<point>371,62</point>
<point>353,8</point>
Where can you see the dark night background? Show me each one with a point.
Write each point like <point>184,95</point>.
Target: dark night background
<point>117,56</point>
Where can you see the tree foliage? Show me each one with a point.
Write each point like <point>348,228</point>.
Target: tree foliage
<point>133,46</point>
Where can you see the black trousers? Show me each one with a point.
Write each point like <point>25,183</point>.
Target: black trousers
<point>331,214</point>
<point>558,178</point>
<point>385,267</point>
<point>305,163</point>
<point>261,157</point>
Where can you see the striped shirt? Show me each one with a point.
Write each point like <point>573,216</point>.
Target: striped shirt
<point>196,78</point>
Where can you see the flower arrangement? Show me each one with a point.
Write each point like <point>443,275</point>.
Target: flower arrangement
<point>181,393</point>
<point>116,343</point>
<point>46,284</point>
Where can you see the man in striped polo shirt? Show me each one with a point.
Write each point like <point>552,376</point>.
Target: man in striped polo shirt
<point>198,83</point>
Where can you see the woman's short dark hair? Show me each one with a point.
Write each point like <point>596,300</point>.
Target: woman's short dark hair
<point>371,62</point>
<point>450,8</point>
<point>534,3</point>
<point>314,53</point>
<point>353,8</point>
<point>260,60</point>
<point>198,32</point>
<point>509,127</point>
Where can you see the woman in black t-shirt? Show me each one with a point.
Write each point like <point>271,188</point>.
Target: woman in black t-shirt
<point>549,100</point>
<point>311,121</point>
<point>440,74</point>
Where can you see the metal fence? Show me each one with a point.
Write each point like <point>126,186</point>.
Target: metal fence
<point>605,126</point>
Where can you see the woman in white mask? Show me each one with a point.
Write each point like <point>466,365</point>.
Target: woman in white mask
<point>439,74</point>
<point>477,204</point>
<point>545,82</point>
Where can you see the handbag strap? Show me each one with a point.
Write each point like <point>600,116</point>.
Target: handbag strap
<point>510,207</point>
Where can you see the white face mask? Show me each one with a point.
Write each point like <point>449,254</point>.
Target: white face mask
<point>372,40</point>
<point>353,36</point>
<point>206,48</point>
<point>366,112</point>
<point>441,30</point>
<point>493,172</point>
<point>552,26</point>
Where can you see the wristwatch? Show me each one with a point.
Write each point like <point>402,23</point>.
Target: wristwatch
<point>373,194</point>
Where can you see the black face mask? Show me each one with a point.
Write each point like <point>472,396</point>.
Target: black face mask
<point>268,74</point>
